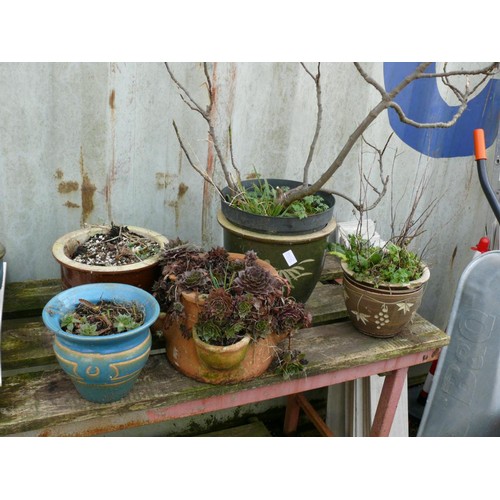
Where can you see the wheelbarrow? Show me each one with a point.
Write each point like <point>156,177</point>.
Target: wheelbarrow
<point>464,399</point>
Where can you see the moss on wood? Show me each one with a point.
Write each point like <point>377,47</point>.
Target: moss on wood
<point>28,298</point>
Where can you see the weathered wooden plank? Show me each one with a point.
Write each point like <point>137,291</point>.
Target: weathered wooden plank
<point>331,269</point>
<point>28,298</point>
<point>326,304</point>
<point>34,401</point>
<point>26,343</point>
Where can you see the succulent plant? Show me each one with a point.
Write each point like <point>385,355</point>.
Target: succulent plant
<point>240,297</point>
<point>218,306</point>
<point>194,280</point>
<point>256,280</point>
<point>288,315</point>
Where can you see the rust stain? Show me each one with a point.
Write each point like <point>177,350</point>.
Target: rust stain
<point>162,180</point>
<point>59,174</point>
<point>87,189</point>
<point>182,190</point>
<point>111,176</point>
<point>112,99</point>
<point>175,206</point>
<point>70,204</point>
<point>67,187</point>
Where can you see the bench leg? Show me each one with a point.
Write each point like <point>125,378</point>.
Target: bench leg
<point>388,402</point>
<point>291,416</point>
<point>295,403</point>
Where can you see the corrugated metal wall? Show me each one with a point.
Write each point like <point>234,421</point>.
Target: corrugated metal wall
<point>93,143</point>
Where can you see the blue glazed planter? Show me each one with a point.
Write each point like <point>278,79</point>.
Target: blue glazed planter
<point>103,369</point>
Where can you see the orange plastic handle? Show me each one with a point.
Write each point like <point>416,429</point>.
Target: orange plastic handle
<point>479,144</point>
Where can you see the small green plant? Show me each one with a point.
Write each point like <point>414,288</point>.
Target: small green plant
<point>88,329</point>
<point>389,264</point>
<point>102,318</point>
<point>290,362</point>
<point>69,322</point>
<point>124,323</point>
<point>261,199</point>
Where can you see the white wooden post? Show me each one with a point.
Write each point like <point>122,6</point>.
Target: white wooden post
<point>3,274</point>
<point>351,407</point>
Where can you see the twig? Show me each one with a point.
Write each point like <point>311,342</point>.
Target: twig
<point>208,116</point>
<point>198,169</point>
<point>233,162</point>
<point>319,115</point>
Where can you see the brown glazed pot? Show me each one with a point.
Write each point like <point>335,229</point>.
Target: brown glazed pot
<point>385,311</point>
<point>183,356</point>
<point>143,274</point>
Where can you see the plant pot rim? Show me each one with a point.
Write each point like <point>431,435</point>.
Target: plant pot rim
<point>390,286</point>
<point>81,235</point>
<point>66,300</point>
<point>219,348</point>
<point>277,225</point>
<point>289,239</point>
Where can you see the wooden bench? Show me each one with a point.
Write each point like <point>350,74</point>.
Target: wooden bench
<point>38,399</point>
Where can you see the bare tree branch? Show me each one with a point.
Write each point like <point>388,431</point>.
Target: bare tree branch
<point>194,105</point>
<point>416,124</point>
<point>487,70</point>
<point>384,180</point>
<point>370,80</point>
<point>196,167</point>
<point>209,82</point>
<point>208,116</point>
<point>413,226</point>
<point>233,162</point>
<point>387,101</point>
<point>357,206</point>
<point>316,79</point>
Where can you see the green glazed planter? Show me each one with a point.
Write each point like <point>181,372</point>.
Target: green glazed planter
<point>299,257</point>
<point>295,247</point>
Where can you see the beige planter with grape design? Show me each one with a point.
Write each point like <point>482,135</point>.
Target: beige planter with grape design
<point>384,311</point>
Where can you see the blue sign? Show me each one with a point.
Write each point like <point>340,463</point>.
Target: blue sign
<point>422,102</point>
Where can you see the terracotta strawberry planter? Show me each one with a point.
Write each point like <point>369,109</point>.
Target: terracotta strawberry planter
<point>182,352</point>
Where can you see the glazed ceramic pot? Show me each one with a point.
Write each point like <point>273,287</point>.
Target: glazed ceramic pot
<point>295,247</point>
<point>142,274</point>
<point>385,311</point>
<point>102,368</point>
